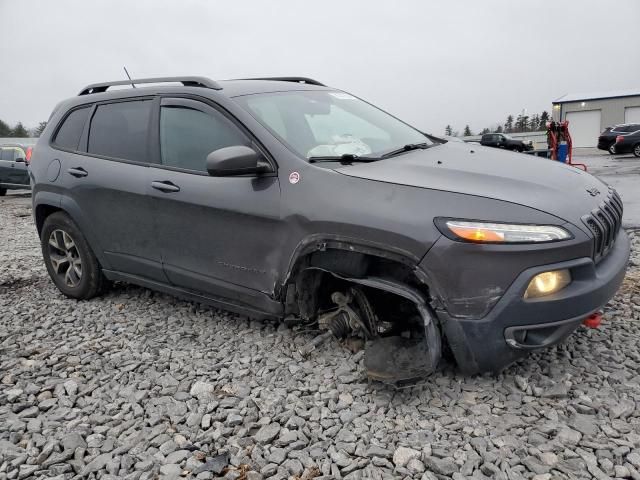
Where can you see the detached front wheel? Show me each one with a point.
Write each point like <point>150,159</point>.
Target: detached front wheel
<point>69,260</point>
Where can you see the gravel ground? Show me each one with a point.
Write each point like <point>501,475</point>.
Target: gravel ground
<point>139,385</point>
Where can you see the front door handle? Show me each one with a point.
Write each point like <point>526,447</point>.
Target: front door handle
<point>78,172</point>
<point>165,186</point>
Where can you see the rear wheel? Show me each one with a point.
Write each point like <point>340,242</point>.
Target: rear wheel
<point>3,192</point>
<point>69,260</point>
<point>612,149</point>
<point>636,150</point>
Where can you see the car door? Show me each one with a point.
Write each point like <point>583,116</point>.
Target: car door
<point>6,160</point>
<point>218,235</point>
<point>106,180</point>
<point>20,170</point>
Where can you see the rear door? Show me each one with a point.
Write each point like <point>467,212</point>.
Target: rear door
<point>218,235</point>
<point>20,172</point>
<point>13,168</point>
<point>6,162</point>
<point>106,180</point>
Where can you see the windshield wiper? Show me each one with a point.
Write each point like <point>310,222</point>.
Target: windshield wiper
<point>407,148</point>
<point>345,159</point>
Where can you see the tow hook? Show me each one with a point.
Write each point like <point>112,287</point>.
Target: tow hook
<point>594,320</point>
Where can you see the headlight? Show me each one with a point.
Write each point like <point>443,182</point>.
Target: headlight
<point>546,283</point>
<point>482,232</point>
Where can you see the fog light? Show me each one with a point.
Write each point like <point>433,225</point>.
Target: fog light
<point>546,283</point>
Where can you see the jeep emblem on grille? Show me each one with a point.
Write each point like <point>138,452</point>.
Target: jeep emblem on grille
<point>593,191</point>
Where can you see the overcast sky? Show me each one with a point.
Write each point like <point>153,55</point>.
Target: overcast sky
<point>432,63</point>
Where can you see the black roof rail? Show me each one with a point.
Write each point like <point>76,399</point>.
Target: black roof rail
<point>310,81</point>
<point>186,81</point>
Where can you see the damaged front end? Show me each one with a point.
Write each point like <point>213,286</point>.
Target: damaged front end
<point>389,318</point>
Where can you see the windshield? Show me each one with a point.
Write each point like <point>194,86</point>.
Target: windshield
<point>330,123</point>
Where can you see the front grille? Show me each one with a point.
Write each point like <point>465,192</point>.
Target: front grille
<point>604,222</point>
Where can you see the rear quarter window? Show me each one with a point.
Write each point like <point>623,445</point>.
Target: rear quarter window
<point>69,133</point>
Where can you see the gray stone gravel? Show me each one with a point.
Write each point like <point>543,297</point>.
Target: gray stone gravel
<point>139,385</point>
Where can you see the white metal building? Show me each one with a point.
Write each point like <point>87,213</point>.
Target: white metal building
<point>590,113</point>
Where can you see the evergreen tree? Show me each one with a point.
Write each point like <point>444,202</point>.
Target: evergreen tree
<point>508,125</point>
<point>485,130</point>
<point>522,123</point>
<point>39,129</point>
<point>448,130</point>
<point>499,129</point>
<point>544,118</point>
<point>467,131</point>
<point>19,131</point>
<point>535,123</point>
<point>5,130</point>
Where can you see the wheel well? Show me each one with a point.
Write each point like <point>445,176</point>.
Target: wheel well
<point>314,272</point>
<point>42,212</point>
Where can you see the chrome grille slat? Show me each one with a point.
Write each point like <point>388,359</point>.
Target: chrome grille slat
<point>605,223</point>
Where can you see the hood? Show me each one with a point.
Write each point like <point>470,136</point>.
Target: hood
<point>531,181</point>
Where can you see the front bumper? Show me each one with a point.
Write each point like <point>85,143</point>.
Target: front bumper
<point>515,326</point>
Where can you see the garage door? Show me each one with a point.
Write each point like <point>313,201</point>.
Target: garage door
<point>584,127</point>
<point>632,115</point>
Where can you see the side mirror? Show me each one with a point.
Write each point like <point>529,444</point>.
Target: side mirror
<point>236,160</point>
<point>20,160</point>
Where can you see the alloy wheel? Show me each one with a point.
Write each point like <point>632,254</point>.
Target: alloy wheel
<point>65,258</point>
<point>636,150</point>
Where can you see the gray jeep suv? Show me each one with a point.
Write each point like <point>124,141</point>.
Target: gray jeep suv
<point>286,198</point>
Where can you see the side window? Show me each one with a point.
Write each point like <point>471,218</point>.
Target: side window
<point>70,131</point>
<point>188,135</point>
<point>119,130</point>
<point>6,154</point>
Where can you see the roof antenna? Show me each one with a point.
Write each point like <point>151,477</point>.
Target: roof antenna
<point>125,71</point>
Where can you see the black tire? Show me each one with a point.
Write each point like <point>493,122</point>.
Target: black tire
<point>636,150</point>
<point>72,251</point>
<point>3,192</point>
<point>612,149</point>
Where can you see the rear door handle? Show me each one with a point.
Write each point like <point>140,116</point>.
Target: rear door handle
<point>77,172</point>
<point>165,186</point>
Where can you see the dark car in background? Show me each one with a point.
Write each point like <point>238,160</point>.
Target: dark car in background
<point>608,139</point>
<point>14,162</point>
<point>502,140</point>
<point>628,143</point>
<point>289,199</point>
